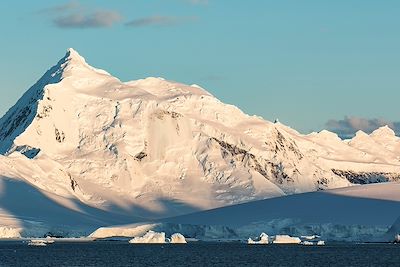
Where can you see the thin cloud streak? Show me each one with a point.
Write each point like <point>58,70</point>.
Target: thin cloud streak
<point>159,21</point>
<point>74,15</point>
<point>97,19</point>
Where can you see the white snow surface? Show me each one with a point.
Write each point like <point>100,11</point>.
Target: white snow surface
<point>92,151</point>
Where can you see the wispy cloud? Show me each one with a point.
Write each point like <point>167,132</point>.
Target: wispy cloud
<point>350,125</point>
<point>159,21</point>
<point>96,19</point>
<point>74,15</point>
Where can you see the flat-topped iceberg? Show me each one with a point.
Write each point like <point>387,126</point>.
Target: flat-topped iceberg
<point>286,239</point>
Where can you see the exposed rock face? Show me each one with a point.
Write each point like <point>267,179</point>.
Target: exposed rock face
<point>368,177</point>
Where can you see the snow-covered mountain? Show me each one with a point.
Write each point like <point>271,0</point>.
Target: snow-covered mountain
<point>152,148</point>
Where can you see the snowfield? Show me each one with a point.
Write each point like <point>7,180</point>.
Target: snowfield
<point>89,151</point>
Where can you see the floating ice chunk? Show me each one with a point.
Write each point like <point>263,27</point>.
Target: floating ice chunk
<point>310,237</point>
<point>38,243</point>
<point>149,238</point>
<point>286,239</point>
<point>264,239</point>
<point>307,243</point>
<point>178,239</point>
<point>251,241</point>
<point>321,243</point>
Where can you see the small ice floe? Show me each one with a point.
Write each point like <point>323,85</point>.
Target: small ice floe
<point>286,239</point>
<point>178,238</point>
<point>40,242</point>
<point>310,237</point>
<point>263,239</point>
<point>307,243</point>
<point>321,243</point>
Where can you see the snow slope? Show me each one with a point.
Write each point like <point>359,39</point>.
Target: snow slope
<point>359,213</point>
<point>92,145</point>
<point>356,213</point>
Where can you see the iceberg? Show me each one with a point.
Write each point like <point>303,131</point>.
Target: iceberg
<point>310,237</point>
<point>149,238</point>
<point>264,239</point>
<point>40,242</point>
<point>9,232</point>
<point>178,238</point>
<point>286,239</point>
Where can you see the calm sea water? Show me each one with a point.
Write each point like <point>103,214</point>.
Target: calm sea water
<point>196,254</point>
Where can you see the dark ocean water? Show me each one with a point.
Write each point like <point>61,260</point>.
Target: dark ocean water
<point>196,254</point>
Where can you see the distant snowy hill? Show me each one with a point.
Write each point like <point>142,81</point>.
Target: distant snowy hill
<point>82,141</point>
<point>358,213</point>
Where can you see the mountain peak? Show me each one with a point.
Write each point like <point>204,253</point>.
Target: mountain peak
<point>72,57</point>
<point>72,54</point>
<point>360,136</point>
<point>73,60</point>
<point>383,131</point>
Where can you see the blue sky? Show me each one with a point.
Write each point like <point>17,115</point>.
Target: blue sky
<point>312,63</point>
